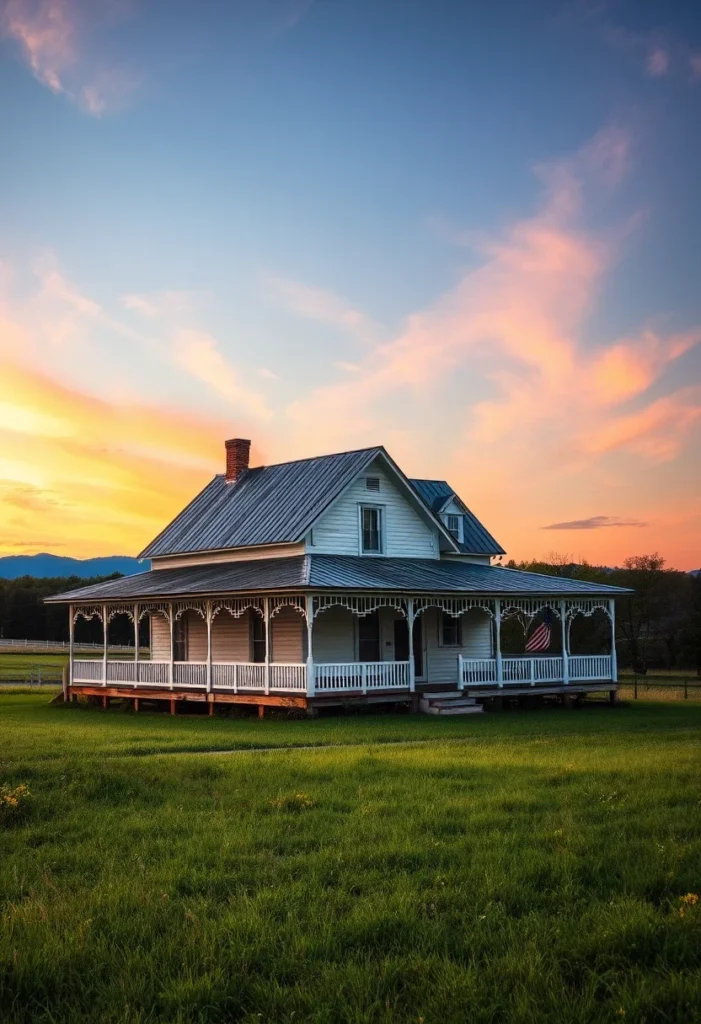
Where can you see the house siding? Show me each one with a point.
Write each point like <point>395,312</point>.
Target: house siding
<point>407,535</point>
<point>333,637</point>
<point>286,636</point>
<point>441,663</point>
<point>231,637</point>
<point>160,638</point>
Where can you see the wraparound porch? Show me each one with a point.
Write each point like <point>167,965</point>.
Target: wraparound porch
<point>408,625</point>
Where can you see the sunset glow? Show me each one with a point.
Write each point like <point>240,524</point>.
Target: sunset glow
<point>270,247</point>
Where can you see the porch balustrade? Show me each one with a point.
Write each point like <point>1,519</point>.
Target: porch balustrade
<point>526,671</point>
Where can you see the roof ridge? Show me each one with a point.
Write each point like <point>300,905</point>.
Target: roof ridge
<point>315,458</point>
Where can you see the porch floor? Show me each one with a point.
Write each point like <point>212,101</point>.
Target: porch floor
<point>302,702</point>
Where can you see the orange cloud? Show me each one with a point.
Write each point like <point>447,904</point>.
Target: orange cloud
<point>547,418</point>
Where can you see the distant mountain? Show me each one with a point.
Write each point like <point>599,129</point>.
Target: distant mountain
<point>12,566</point>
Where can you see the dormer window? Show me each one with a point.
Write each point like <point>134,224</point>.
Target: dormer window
<point>453,524</point>
<point>371,539</point>
<point>372,483</point>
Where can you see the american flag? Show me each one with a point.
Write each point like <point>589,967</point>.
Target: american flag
<point>539,640</point>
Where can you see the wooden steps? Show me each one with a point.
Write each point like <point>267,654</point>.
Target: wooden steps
<point>449,702</point>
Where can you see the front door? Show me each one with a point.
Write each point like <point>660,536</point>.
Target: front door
<point>401,644</point>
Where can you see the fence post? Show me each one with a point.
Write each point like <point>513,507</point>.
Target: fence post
<point>635,687</point>
<point>686,689</point>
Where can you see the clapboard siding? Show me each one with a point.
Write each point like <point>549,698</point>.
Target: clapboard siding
<point>286,636</point>
<point>333,638</point>
<point>231,637</point>
<point>442,662</point>
<point>160,638</point>
<point>407,535</point>
<point>196,645</point>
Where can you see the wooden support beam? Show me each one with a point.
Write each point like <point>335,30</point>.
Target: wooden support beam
<point>105,702</point>
<point>211,709</point>
<point>261,710</point>
<point>172,706</point>
<point>136,703</point>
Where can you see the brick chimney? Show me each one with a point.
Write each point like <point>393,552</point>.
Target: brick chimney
<point>238,450</point>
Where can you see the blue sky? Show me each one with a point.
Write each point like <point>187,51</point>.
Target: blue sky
<point>470,231</point>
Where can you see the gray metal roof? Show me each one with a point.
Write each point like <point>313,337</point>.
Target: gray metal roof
<point>336,572</point>
<point>476,539</point>
<point>267,505</point>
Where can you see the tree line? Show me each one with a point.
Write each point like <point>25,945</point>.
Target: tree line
<point>657,626</point>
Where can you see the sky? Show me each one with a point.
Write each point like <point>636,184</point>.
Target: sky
<point>469,231</point>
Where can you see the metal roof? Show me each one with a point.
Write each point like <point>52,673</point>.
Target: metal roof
<point>266,505</point>
<point>476,539</point>
<point>337,572</point>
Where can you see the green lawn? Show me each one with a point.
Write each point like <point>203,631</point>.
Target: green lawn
<point>514,867</point>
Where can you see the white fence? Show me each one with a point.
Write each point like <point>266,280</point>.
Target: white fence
<point>363,676</point>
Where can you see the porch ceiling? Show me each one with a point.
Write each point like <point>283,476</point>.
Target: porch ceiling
<point>336,572</point>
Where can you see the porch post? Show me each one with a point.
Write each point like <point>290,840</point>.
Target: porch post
<point>71,628</point>
<point>136,644</point>
<point>565,652</point>
<point>614,658</point>
<point>105,630</point>
<point>170,662</point>
<point>266,612</point>
<point>209,646</point>
<point>311,681</point>
<point>497,641</point>
<point>410,625</point>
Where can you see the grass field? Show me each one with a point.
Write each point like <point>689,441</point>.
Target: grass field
<point>515,867</point>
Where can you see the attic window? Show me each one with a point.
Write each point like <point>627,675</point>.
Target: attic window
<point>372,483</point>
<point>453,524</point>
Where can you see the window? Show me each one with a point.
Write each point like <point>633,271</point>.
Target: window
<point>372,483</point>
<point>453,524</point>
<point>180,638</point>
<point>371,530</point>
<point>450,631</point>
<point>257,637</point>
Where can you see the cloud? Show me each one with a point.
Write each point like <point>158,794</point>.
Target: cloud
<point>322,306</point>
<point>594,523</point>
<point>55,37</point>
<point>539,413</point>
<point>198,354</point>
<point>658,61</point>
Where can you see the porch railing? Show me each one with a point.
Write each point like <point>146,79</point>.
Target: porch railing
<point>590,666</point>
<point>529,671</point>
<point>362,676</point>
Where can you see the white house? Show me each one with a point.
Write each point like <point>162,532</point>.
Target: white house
<point>333,579</point>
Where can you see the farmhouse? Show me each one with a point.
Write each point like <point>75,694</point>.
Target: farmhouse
<point>331,580</point>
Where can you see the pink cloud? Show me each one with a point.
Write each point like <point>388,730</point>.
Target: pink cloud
<point>54,36</point>
<point>544,413</point>
<point>658,61</point>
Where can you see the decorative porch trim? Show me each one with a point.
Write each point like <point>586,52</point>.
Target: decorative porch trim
<point>296,601</point>
<point>587,606</point>
<point>359,605</point>
<point>120,609</point>
<point>453,606</point>
<point>525,609</point>
<point>190,606</point>
<point>237,606</point>
<point>160,608</point>
<point>87,612</point>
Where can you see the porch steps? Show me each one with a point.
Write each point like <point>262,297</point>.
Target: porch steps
<point>449,703</point>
